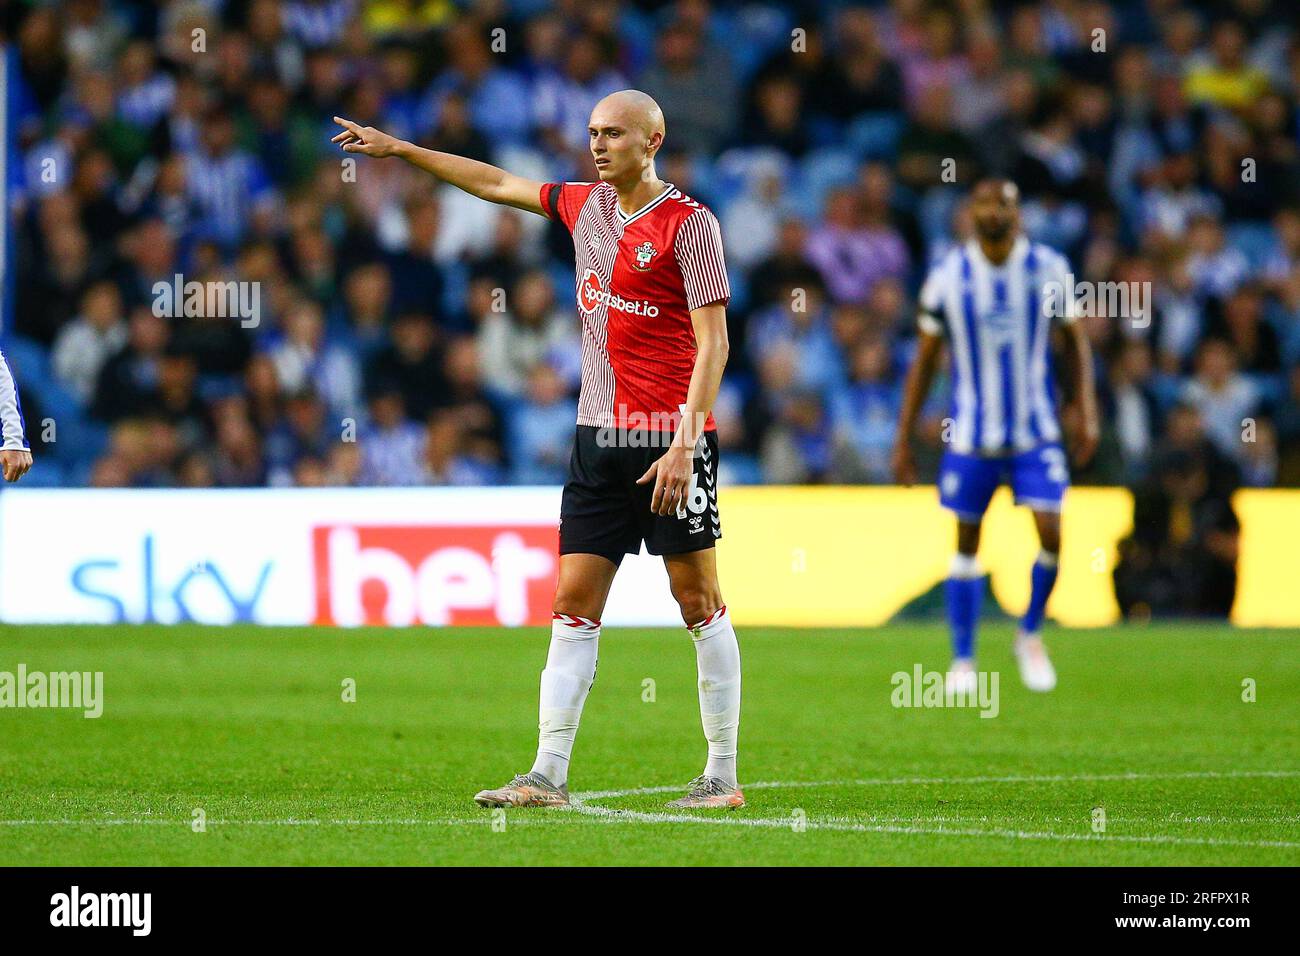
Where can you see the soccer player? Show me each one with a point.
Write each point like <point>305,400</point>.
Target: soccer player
<point>992,300</point>
<point>651,297</point>
<point>16,454</point>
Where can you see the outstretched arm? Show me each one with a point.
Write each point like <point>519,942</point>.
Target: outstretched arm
<point>919,379</point>
<point>478,179</point>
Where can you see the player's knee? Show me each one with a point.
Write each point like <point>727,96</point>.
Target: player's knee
<point>697,602</point>
<point>968,538</point>
<point>577,600</point>
<point>1049,536</point>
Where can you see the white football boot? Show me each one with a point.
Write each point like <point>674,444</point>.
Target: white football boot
<point>709,793</point>
<point>1036,669</point>
<point>961,679</point>
<point>525,790</point>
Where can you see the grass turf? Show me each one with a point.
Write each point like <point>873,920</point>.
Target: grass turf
<point>249,725</point>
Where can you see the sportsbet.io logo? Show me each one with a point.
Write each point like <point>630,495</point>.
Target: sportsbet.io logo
<point>592,294</point>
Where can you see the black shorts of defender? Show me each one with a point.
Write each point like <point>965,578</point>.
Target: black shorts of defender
<point>604,511</point>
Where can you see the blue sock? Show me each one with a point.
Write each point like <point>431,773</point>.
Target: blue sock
<point>964,592</point>
<point>1043,579</point>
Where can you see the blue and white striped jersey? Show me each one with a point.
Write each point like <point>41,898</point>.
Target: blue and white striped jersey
<point>997,322</point>
<point>11,410</point>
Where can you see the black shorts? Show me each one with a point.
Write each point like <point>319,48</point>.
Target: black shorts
<point>604,511</point>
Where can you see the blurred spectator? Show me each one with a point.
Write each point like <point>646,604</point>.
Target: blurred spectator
<point>865,415</point>
<point>797,448</point>
<point>1181,557</point>
<point>532,330</point>
<point>225,182</point>
<point>128,382</point>
<point>304,359</point>
<point>446,457</point>
<point>90,340</point>
<point>799,324</point>
<point>1132,408</point>
<point>1240,322</point>
<point>543,430</point>
<point>1215,269</point>
<point>698,96</point>
<point>416,281</point>
<point>1222,396</point>
<point>302,433</point>
<point>392,446</point>
<point>479,416</point>
<point>562,99</point>
<point>1224,78</point>
<point>855,247</point>
<point>411,365</point>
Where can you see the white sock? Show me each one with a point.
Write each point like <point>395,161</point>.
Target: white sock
<point>965,567</point>
<point>568,675</point>
<point>717,658</point>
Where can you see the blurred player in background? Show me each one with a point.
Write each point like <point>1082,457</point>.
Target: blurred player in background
<point>991,300</point>
<point>16,454</point>
<point>652,293</point>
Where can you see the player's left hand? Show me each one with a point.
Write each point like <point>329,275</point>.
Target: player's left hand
<point>672,478</point>
<point>1082,438</point>
<point>16,462</point>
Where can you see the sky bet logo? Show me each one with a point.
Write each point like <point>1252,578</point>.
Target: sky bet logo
<point>401,575</point>
<point>166,596</point>
<point>103,909</point>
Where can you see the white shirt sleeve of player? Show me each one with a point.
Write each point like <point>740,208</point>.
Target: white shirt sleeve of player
<point>11,411</point>
<point>698,250</point>
<point>930,302</point>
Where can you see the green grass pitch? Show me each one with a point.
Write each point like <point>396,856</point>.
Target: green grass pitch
<point>249,725</point>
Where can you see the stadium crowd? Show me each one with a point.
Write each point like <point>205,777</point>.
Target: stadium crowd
<point>409,334</point>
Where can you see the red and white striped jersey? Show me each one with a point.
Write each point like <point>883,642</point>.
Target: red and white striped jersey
<point>638,277</point>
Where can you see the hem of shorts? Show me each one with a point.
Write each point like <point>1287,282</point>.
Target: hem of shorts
<point>966,515</point>
<point>613,555</point>
<point>688,549</point>
<point>1039,504</point>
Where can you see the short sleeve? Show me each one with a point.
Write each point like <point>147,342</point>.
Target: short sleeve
<point>930,303</point>
<point>563,201</point>
<point>698,250</point>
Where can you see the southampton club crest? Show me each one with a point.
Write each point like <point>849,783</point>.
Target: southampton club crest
<point>644,253</point>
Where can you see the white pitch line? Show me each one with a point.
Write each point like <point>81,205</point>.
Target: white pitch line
<point>944,781</point>
<point>607,814</point>
<point>181,822</point>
